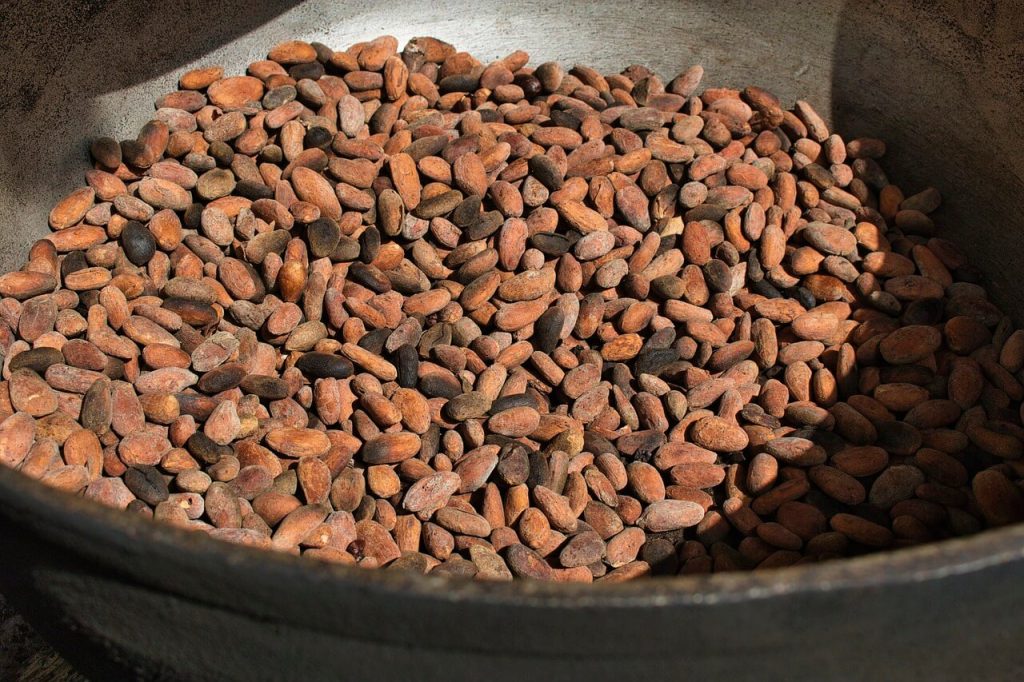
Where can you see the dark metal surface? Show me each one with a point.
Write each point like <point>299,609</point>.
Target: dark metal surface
<point>125,598</point>
<point>162,603</point>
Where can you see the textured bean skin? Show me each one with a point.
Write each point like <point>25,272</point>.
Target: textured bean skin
<point>400,307</point>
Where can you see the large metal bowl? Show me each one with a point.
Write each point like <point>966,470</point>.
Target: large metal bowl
<point>124,598</point>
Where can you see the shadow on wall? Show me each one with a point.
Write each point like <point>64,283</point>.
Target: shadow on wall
<point>943,83</point>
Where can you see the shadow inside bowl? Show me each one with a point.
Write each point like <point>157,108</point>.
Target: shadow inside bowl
<point>922,117</point>
<point>109,47</point>
<point>944,92</point>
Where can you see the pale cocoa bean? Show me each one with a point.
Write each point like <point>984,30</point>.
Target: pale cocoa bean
<point>668,515</point>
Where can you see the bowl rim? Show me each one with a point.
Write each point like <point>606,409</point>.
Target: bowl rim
<point>94,527</point>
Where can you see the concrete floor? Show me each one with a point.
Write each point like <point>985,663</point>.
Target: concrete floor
<point>25,657</point>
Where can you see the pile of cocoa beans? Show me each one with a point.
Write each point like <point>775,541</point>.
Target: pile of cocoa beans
<point>410,310</point>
